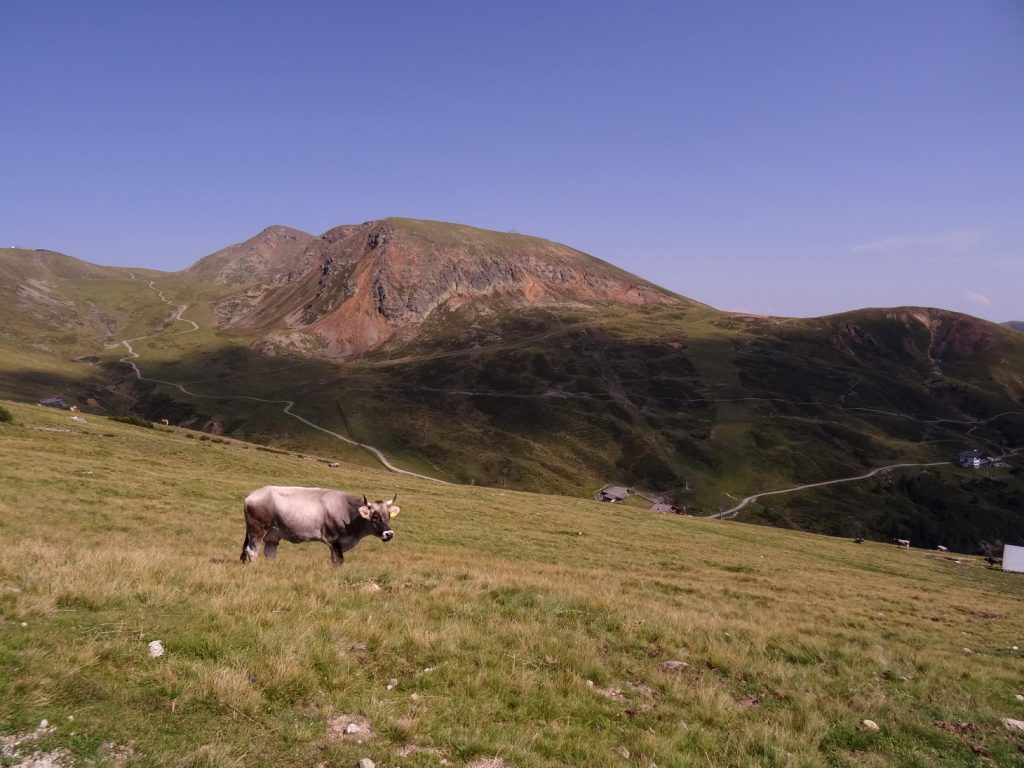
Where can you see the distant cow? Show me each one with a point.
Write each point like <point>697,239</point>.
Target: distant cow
<point>942,548</point>
<point>165,422</point>
<point>905,543</point>
<point>74,409</point>
<point>994,561</point>
<point>294,514</point>
<point>858,540</point>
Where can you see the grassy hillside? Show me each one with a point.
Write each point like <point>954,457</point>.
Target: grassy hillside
<point>530,628</point>
<point>678,399</point>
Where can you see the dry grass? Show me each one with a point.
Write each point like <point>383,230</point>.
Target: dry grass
<point>114,536</point>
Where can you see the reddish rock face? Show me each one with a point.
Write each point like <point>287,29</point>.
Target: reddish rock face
<point>968,337</point>
<point>961,335</point>
<point>364,285</point>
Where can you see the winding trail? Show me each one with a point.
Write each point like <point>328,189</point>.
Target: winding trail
<point>729,514</point>
<point>132,356</point>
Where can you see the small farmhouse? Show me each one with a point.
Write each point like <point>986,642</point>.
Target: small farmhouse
<point>614,494</point>
<point>974,459</point>
<point>669,508</point>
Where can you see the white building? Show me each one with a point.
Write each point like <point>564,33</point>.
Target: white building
<point>1013,558</point>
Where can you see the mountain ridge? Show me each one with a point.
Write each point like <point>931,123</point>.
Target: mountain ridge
<point>357,286</point>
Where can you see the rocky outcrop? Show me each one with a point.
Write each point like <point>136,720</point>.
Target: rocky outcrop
<point>365,285</point>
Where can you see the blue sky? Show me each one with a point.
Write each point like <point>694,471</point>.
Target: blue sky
<point>796,157</point>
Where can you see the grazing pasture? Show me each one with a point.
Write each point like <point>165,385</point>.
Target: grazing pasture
<point>540,630</point>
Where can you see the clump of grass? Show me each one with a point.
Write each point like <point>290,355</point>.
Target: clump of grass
<point>137,421</point>
<point>6,417</point>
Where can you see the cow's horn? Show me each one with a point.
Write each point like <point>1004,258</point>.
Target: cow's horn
<point>365,502</point>
<point>393,499</point>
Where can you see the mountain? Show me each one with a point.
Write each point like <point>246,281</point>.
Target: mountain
<point>271,256</point>
<point>1017,325</point>
<point>35,305</point>
<point>367,285</point>
<point>505,360</point>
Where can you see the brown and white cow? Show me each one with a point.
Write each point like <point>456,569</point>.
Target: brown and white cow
<point>338,519</point>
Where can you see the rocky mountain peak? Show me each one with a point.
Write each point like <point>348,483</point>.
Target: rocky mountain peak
<point>369,283</point>
<point>270,256</point>
<point>358,286</point>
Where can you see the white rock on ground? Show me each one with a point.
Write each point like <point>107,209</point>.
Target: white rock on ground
<point>1019,696</point>
<point>367,763</point>
<point>1014,725</point>
<point>156,648</point>
<point>349,728</point>
<point>871,725</point>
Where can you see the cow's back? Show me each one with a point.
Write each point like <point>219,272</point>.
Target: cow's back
<point>300,513</point>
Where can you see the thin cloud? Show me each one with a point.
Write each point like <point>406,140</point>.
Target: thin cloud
<point>978,298</point>
<point>949,243</point>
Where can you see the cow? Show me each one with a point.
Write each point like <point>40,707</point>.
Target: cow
<point>905,543</point>
<point>858,540</point>
<point>165,422</point>
<point>337,518</point>
<point>941,548</point>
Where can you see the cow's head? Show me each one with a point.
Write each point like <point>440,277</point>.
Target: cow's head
<point>379,513</point>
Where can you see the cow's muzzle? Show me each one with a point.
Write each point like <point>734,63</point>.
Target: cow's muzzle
<point>387,536</point>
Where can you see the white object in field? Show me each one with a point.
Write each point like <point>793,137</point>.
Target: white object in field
<point>156,648</point>
<point>1013,558</point>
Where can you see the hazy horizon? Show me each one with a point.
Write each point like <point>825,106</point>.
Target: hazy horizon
<point>792,160</point>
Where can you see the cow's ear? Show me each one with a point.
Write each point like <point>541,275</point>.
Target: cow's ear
<point>392,511</point>
<point>364,511</point>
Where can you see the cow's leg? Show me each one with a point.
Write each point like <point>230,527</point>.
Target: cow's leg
<point>251,545</point>
<point>270,544</point>
<point>337,553</point>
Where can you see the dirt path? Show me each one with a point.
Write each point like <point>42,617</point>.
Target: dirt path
<point>132,356</point>
<point>731,513</point>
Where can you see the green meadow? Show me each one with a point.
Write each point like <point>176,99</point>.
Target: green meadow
<point>498,628</point>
